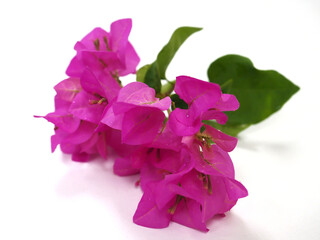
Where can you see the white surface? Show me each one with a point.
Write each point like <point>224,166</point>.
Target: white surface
<point>46,196</point>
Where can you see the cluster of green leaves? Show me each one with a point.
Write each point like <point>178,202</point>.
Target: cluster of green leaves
<point>259,92</point>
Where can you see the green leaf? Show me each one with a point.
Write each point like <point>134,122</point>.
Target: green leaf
<point>230,129</point>
<point>152,77</point>
<point>178,102</point>
<point>260,92</point>
<point>168,51</point>
<point>152,74</point>
<point>141,73</point>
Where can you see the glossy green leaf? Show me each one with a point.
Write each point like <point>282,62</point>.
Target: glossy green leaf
<point>152,74</point>
<point>260,92</point>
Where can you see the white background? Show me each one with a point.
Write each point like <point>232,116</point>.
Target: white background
<point>46,196</point>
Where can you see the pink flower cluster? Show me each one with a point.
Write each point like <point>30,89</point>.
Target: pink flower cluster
<point>185,171</point>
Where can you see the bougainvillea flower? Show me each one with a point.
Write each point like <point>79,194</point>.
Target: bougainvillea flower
<point>225,142</point>
<point>167,139</point>
<point>98,90</point>
<point>66,91</point>
<point>94,82</point>
<point>106,51</point>
<point>83,143</point>
<point>209,150</point>
<point>186,173</point>
<point>76,136</point>
<point>184,194</point>
<point>137,113</point>
<point>215,194</point>
<point>205,102</point>
<point>199,186</point>
<point>75,122</point>
<point>148,213</point>
<point>195,92</point>
<point>166,146</point>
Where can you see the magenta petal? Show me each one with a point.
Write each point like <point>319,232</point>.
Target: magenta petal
<point>159,166</point>
<point>123,167</point>
<point>90,83</point>
<point>165,192</point>
<point>139,156</point>
<point>146,97</point>
<point>97,61</point>
<point>167,160</point>
<point>102,145</point>
<point>163,104</point>
<point>141,125</point>
<point>57,138</point>
<point>220,117</point>
<point>109,85</point>
<point>130,88</point>
<point>119,32</point>
<point>131,60</point>
<point>111,119</point>
<point>235,189</point>
<point>228,102</point>
<point>75,67</point>
<point>224,141</point>
<point>188,213</point>
<point>108,60</point>
<point>137,93</point>
<point>200,93</point>
<point>100,82</point>
<point>90,145</point>
<point>88,41</point>
<point>82,134</point>
<point>61,105</point>
<point>215,203</point>
<point>167,140</point>
<point>55,141</point>
<point>114,141</point>
<point>149,174</point>
<point>148,215</point>
<point>69,148</point>
<point>141,96</point>
<point>213,161</point>
<point>66,122</point>
<point>68,89</point>
<point>193,185</point>
<point>82,109</point>
<point>183,122</point>
<point>169,187</point>
<point>212,203</point>
<point>79,46</point>
<point>80,157</point>
<point>122,107</point>
<point>119,42</point>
